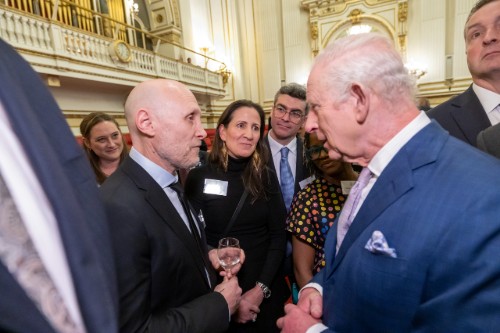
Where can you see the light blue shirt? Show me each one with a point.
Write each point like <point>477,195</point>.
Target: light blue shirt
<point>163,178</point>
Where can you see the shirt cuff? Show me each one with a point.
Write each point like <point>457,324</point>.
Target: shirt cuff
<point>314,285</point>
<point>316,328</point>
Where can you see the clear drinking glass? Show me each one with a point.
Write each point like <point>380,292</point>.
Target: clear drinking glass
<point>228,253</point>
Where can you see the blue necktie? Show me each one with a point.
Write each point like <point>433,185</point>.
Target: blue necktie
<point>287,182</point>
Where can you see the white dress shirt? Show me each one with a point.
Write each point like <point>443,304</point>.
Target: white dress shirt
<point>37,214</point>
<point>490,101</point>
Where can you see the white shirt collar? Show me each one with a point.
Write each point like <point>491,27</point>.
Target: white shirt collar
<point>380,161</point>
<point>276,146</point>
<point>488,99</point>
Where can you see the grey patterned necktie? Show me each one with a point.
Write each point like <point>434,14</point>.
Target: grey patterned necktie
<point>347,215</point>
<point>19,255</point>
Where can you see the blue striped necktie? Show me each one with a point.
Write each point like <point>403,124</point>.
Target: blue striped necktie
<point>287,182</point>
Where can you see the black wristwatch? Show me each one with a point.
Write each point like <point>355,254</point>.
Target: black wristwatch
<point>265,289</point>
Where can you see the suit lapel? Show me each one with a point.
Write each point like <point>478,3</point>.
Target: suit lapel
<point>62,170</point>
<point>299,166</point>
<point>271,160</point>
<point>160,202</point>
<point>19,313</point>
<point>469,115</point>
<point>392,184</point>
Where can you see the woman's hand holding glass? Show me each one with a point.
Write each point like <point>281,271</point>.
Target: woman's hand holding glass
<point>228,257</point>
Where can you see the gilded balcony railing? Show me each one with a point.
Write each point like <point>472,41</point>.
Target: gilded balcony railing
<point>67,35</point>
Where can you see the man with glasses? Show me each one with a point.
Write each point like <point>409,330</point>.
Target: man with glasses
<point>286,147</point>
<point>287,118</point>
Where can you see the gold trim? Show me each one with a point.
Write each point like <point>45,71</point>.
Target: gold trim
<point>363,18</point>
<point>116,48</point>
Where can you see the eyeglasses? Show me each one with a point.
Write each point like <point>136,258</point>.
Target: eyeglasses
<point>314,152</point>
<point>294,115</point>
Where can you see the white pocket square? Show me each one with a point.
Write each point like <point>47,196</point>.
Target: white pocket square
<point>377,244</point>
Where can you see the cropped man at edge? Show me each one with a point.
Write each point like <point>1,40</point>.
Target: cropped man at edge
<point>165,280</point>
<point>478,107</point>
<point>56,262</point>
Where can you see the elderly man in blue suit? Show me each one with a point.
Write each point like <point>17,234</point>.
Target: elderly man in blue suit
<point>416,247</point>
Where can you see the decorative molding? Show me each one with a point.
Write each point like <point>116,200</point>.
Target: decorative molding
<point>330,18</point>
<point>355,16</point>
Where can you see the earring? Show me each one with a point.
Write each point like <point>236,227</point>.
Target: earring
<point>224,156</point>
<point>256,160</point>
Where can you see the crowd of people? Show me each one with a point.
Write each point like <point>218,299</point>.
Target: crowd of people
<point>100,238</point>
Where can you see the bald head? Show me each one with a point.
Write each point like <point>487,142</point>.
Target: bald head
<point>156,96</point>
<point>164,121</point>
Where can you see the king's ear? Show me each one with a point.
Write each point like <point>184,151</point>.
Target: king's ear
<point>362,101</point>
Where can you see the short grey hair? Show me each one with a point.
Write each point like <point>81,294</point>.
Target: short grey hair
<point>293,89</point>
<point>352,59</point>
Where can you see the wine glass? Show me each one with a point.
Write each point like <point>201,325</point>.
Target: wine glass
<point>228,253</point>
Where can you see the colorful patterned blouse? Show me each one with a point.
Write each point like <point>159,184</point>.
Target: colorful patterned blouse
<point>312,213</point>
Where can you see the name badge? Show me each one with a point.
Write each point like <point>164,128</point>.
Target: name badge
<point>346,186</point>
<point>214,186</point>
<point>307,181</point>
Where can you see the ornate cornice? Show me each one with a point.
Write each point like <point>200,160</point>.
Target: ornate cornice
<point>319,8</point>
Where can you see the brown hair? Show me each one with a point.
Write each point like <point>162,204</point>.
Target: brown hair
<point>252,175</point>
<point>86,126</point>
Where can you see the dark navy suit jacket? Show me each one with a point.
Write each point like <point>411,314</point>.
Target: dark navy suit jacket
<point>438,205</point>
<point>66,177</point>
<point>462,116</point>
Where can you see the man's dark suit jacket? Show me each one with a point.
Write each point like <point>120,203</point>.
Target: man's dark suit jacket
<point>161,276</point>
<point>489,140</point>
<point>462,116</point>
<point>301,171</point>
<point>64,174</point>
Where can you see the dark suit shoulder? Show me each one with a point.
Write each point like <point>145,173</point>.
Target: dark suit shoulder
<point>489,140</point>
<point>444,109</point>
<point>463,116</point>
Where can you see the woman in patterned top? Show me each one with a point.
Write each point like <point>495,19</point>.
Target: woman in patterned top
<point>315,207</point>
